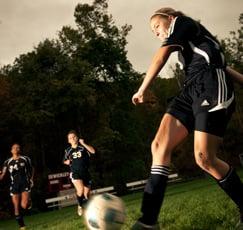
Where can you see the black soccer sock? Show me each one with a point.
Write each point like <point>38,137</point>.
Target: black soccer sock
<point>80,200</point>
<point>20,220</point>
<point>85,202</point>
<point>154,194</point>
<point>24,211</point>
<point>233,187</point>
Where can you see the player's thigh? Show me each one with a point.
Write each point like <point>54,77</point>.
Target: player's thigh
<point>170,133</point>
<point>78,184</point>
<point>15,199</point>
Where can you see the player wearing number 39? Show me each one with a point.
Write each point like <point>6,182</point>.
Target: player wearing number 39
<point>204,106</point>
<point>77,156</point>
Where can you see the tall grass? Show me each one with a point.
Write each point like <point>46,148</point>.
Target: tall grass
<point>197,204</point>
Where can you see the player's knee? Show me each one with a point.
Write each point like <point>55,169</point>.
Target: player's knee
<point>79,193</point>
<point>24,205</point>
<point>159,149</point>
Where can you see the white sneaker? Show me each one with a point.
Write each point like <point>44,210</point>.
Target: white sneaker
<point>80,210</point>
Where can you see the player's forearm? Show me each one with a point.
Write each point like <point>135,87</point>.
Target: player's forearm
<point>235,75</point>
<point>159,60</point>
<point>2,173</point>
<point>152,72</point>
<point>1,176</point>
<point>90,148</point>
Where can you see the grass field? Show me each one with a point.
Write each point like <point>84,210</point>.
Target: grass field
<point>196,204</point>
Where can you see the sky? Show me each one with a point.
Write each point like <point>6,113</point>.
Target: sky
<point>25,23</point>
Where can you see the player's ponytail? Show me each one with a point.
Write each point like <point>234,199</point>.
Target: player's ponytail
<point>166,12</point>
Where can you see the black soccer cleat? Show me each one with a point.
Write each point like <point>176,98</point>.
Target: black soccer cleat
<point>141,226</point>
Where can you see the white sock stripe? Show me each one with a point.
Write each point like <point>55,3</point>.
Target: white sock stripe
<point>165,170</point>
<point>160,172</point>
<point>163,174</point>
<point>160,166</point>
<point>160,169</point>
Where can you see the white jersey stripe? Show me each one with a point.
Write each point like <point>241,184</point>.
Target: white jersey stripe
<point>172,26</point>
<point>219,87</point>
<point>225,86</point>
<point>200,52</point>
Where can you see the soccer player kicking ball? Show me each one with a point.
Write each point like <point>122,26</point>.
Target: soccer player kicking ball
<point>204,106</point>
<point>21,173</point>
<point>77,156</point>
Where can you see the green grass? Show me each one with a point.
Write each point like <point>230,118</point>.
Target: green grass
<point>197,204</point>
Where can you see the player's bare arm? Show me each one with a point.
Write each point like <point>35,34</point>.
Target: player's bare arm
<point>32,177</point>
<point>158,61</point>
<point>2,173</point>
<point>235,75</point>
<point>88,147</point>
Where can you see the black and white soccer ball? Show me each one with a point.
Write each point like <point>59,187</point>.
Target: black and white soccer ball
<point>105,212</point>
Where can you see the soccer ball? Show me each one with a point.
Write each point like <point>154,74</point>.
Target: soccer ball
<point>105,212</point>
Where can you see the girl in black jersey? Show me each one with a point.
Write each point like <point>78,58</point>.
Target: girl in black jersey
<point>204,106</point>
<point>21,174</point>
<point>77,157</point>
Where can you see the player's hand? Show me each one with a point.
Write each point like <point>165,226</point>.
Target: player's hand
<point>137,98</point>
<point>81,141</point>
<point>67,162</point>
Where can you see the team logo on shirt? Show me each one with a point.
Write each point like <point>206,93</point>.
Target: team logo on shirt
<point>205,103</point>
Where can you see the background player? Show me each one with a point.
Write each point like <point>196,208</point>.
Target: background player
<point>78,157</point>
<point>21,174</point>
<point>204,106</point>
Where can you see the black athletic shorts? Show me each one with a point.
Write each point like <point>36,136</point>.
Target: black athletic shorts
<point>80,175</point>
<point>206,102</point>
<point>17,187</point>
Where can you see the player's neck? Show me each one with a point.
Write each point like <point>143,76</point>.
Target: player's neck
<point>15,156</point>
<point>74,146</point>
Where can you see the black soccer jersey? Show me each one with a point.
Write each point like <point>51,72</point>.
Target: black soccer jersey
<point>196,45</point>
<point>19,169</point>
<point>79,157</point>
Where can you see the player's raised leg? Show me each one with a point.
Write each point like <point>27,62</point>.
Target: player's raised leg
<point>206,148</point>
<point>170,133</point>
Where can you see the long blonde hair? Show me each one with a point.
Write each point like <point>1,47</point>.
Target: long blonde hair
<point>166,12</point>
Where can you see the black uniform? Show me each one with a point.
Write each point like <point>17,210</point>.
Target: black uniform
<point>80,161</point>
<point>20,171</point>
<point>206,101</point>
